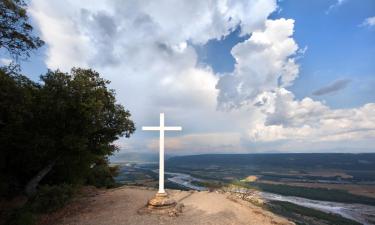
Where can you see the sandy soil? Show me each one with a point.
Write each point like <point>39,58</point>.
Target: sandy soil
<point>126,205</point>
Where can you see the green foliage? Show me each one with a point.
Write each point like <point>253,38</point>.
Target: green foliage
<point>22,216</point>
<point>16,33</point>
<point>242,184</point>
<point>210,185</point>
<point>70,118</point>
<point>299,213</point>
<point>102,175</point>
<point>50,198</point>
<point>170,185</point>
<point>16,131</point>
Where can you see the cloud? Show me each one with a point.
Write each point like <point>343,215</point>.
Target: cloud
<point>312,121</point>
<point>134,23</point>
<point>263,63</point>
<point>146,49</point>
<point>337,4</point>
<point>333,87</point>
<point>142,47</point>
<point>368,22</point>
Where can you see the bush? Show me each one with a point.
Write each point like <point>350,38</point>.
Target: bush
<point>102,176</point>
<point>22,216</point>
<point>50,198</point>
<point>210,185</point>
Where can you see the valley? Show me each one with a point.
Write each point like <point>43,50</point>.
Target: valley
<point>321,192</point>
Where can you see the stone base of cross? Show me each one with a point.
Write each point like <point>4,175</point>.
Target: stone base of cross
<point>161,200</point>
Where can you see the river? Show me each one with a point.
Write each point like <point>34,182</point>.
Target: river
<point>185,180</point>
<point>356,212</point>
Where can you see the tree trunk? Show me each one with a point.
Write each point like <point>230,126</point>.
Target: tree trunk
<point>30,188</point>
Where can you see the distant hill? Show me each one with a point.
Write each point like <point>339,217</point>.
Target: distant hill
<point>345,161</point>
<point>136,157</point>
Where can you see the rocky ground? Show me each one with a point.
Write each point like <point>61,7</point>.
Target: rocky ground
<point>126,205</point>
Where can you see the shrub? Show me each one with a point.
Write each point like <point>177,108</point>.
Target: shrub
<point>50,198</point>
<point>22,216</point>
<point>102,176</point>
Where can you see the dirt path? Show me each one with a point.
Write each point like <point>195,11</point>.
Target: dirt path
<point>122,206</point>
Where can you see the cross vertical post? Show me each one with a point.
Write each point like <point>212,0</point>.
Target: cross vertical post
<point>161,155</point>
<point>162,128</point>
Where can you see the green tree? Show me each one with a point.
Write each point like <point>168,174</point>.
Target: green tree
<point>16,35</point>
<point>16,100</point>
<point>60,129</point>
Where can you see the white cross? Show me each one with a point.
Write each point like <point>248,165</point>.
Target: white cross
<point>161,128</point>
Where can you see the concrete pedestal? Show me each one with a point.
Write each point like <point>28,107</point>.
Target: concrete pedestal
<point>161,201</point>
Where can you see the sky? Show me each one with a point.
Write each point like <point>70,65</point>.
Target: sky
<point>239,76</point>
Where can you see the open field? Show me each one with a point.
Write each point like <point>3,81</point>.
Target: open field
<point>322,194</point>
<point>365,190</point>
<point>304,215</point>
<point>309,168</point>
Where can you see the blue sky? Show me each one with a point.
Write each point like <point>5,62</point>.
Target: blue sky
<point>302,79</point>
<point>338,47</point>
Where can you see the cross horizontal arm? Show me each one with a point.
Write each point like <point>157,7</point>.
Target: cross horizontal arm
<point>172,128</point>
<point>150,128</point>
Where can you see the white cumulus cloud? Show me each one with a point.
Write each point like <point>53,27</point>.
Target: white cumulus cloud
<point>263,63</point>
<point>311,121</point>
<point>146,49</point>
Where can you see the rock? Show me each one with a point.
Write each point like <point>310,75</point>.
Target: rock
<point>176,211</point>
